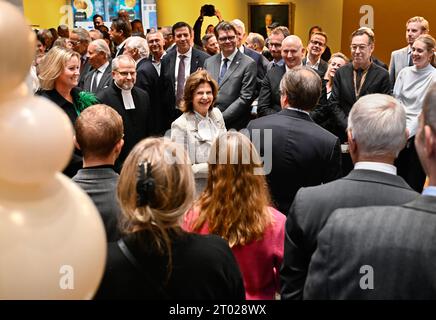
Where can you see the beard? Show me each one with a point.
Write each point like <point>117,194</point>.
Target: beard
<point>126,86</point>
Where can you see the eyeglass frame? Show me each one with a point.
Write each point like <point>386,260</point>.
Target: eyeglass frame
<point>227,38</point>
<point>126,73</point>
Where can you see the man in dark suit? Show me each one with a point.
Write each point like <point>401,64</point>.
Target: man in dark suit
<point>315,49</point>
<point>356,79</point>
<point>236,76</point>
<point>177,65</point>
<point>261,61</point>
<point>147,79</point>
<point>99,135</point>
<point>372,182</point>
<point>132,103</point>
<point>119,32</point>
<point>101,76</point>
<point>382,252</point>
<point>301,152</point>
<point>80,39</point>
<point>269,97</point>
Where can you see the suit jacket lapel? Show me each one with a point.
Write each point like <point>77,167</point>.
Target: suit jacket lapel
<point>195,61</point>
<point>351,83</point>
<point>215,66</point>
<point>233,66</point>
<point>368,79</point>
<point>423,203</point>
<point>172,66</point>
<point>106,74</point>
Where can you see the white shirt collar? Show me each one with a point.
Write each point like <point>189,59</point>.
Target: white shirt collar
<point>376,166</point>
<point>287,68</point>
<point>314,66</point>
<point>230,57</point>
<point>103,67</point>
<point>186,54</point>
<point>298,110</point>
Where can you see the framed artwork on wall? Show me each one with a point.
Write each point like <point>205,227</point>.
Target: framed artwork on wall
<point>264,17</point>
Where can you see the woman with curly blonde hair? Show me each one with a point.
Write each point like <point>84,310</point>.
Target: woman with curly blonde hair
<point>156,259</point>
<point>235,206</point>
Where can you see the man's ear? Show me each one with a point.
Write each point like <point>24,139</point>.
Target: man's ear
<point>351,142</point>
<point>76,144</point>
<point>430,147</point>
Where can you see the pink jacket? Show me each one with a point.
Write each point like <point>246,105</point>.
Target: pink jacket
<point>260,260</point>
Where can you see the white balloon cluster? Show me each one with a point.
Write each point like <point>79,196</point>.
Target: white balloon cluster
<point>52,239</point>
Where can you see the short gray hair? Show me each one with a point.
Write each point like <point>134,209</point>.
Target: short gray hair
<point>83,34</point>
<point>378,125</point>
<point>123,57</point>
<point>101,46</point>
<point>238,24</point>
<point>140,44</point>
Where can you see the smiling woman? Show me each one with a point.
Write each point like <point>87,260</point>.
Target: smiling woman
<point>199,124</point>
<point>410,89</point>
<point>58,74</point>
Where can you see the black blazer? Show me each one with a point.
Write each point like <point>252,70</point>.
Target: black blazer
<point>203,268</point>
<point>136,121</point>
<point>269,96</point>
<point>322,67</point>
<point>397,242</point>
<point>343,95</point>
<point>298,152</point>
<point>260,64</point>
<point>168,79</point>
<point>313,206</point>
<point>147,79</point>
<point>105,81</point>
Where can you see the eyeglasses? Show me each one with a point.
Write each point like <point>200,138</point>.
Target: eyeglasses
<point>126,73</point>
<point>361,47</point>
<point>224,39</point>
<point>317,43</point>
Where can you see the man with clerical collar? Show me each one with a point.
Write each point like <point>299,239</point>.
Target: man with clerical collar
<point>132,103</point>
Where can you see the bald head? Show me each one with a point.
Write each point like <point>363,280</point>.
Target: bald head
<point>292,51</point>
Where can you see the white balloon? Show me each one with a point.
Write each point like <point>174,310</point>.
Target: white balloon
<point>52,241</point>
<point>17,49</point>
<point>36,139</point>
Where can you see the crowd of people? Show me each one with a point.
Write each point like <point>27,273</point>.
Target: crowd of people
<point>194,209</point>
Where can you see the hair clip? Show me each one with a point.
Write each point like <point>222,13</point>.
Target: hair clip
<point>145,185</point>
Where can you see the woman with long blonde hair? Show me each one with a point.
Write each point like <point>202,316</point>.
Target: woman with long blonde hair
<point>156,259</point>
<point>235,206</point>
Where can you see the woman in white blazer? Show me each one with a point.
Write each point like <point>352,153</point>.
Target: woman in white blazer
<point>199,124</point>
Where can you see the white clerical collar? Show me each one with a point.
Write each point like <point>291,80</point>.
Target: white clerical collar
<point>376,166</point>
<point>128,102</point>
<point>298,110</point>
